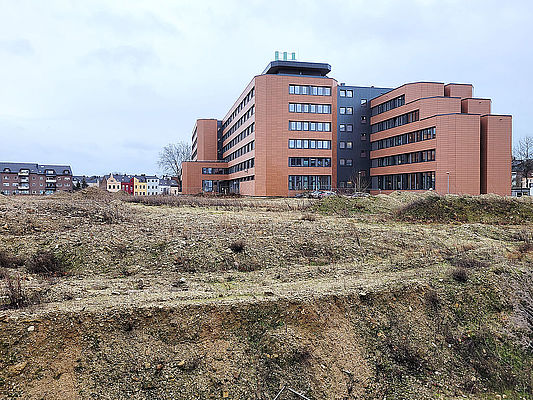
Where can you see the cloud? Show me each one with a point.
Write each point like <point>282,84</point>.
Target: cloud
<point>18,47</point>
<point>129,56</point>
<point>128,24</point>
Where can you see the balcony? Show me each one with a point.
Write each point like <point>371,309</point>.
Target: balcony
<point>51,180</point>
<point>24,173</point>
<point>24,180</point>
<point>24,186</point>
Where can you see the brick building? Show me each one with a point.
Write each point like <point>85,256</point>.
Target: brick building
<point>293,128</point>
<point>35,179</point>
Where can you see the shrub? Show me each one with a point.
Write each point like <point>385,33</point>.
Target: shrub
<point>9,261</point>
<point>460,274</point>
<point>308,217</point>
<point>14,291</point>
<point>46,263</point>
<point>237,246</point>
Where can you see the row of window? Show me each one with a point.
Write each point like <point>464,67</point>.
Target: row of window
<point>239,122</point>
<point>346,110</point>
<point>309,162</point>
<point>345,162</point>
<point>214,171</point>
<point>245,133</point>
<point>310,90</point>
<point>309,144</point>
<point>388,105</point>
<point>412,181</point>
<point>406,138</point>
<point>242,166</point>
<point>310,108</point>
<point>346,127</point>
<point>240,151</point>
<point>407,158</point>
<point>346,93</point>
<point>15,177</point>
<point>22,185</point>
<point>309,182</point>
<point>345,145</point>
<point>310,126</point>
<point>396,121</point>
<point>241,105</point>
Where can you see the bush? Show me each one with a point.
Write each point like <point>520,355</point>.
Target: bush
<point>46,263</point>
<point>460,274</point>
<point>9,261</point>
<point>14,291</point>
<point>308,217</point>
<point>237,246</point>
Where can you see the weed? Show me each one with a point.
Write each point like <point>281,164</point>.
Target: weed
<point>460,274</point>
<point>14,291</point>
<point>46,263</point>
<point>237,246</point>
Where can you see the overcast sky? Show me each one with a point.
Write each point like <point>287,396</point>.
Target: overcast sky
<point>103,85</point>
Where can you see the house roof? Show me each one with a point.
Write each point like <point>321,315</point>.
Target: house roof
<point>35,168</point>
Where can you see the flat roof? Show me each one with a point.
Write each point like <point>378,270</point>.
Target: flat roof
<point>297,68</point>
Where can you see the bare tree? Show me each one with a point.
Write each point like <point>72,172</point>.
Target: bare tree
<point>523,153</point>
<point>172,156</point>
<point>360,182</point>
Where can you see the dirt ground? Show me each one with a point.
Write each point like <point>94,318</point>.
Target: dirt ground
<point>237,298</point>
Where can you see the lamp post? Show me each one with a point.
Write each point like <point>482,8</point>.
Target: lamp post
<point>448,175</point>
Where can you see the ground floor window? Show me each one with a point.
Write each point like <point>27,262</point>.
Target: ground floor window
<point>207,186</point>
<point>412,181</point>
<point>309,182</point>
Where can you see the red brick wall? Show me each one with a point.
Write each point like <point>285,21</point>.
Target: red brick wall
<point>458,90</point>
<point>475,106</point>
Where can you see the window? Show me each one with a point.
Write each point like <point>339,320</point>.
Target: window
<point>406,158</point>
<point>349,145</point>
<point>396,121</point>
<point>349,127</point>
<point>346,110</point>
<point>342,127</point>
<point>309,144</point>
<point>309,162</point>
<point>363,136</point>
<point>310,108</point>
<point>342,161</point>
<point>349,93</point>
<point>310,90</point>
<point>364,102</point>
<point>342,93</point>
<point>309,126</point>
<point>388,105</point>
<point>309,182</point>
<point>406,138</point>
<point>342,145</point>
<point>349,162</point>
<point>363,153</point>
<point>363,119</point>
<point>411,181</point>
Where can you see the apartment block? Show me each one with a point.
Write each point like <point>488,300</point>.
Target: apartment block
<point>35,179</point>
<point>295,129</point>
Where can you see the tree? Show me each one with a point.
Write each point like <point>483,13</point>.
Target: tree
<point>523,153</point>
<point>360,182</point>
<point>172,156</point>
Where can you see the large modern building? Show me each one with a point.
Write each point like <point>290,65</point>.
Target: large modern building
<point>293,128</point>
<point>36,179</point>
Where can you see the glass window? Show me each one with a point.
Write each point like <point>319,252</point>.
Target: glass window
<point>349,162</point>
<point>342,161</point>
<point>342,110</point>
<point>342,127</point>
<point>342,93</point>
<point>349,110</point>
<point>349,127</point>
<point>291,107</point>
<point>363,102</point>
<point>349,145</point>
<point>349,93</point>
<point>342,145</point>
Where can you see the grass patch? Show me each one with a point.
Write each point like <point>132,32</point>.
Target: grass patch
<point>481,209</point>
<point>47,263</point>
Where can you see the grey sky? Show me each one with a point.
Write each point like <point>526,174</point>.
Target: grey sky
<point>103,85</point>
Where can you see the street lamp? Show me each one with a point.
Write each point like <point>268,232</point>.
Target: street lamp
<point>448,175</point>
